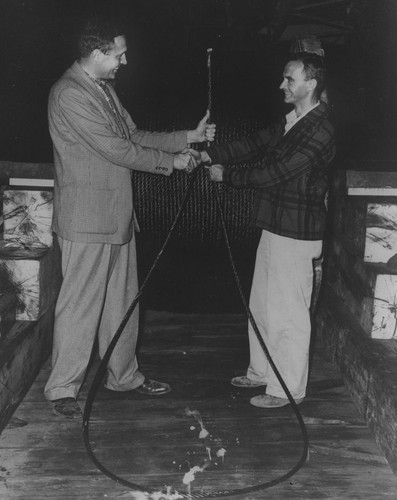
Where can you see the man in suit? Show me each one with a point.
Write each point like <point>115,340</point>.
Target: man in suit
<point>96,145</point>
<point>290,162</point>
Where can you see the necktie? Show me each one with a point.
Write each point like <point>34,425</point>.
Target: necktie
<point>110,100</point>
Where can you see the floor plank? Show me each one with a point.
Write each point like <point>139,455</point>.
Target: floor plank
<point>154,442</point>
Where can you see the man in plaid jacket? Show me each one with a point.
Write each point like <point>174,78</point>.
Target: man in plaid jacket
<point>289,170</point>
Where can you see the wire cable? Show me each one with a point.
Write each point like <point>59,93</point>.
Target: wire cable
<point>103,365</point>
<point>98,378</point>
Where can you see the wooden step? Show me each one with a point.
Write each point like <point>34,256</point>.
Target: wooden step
<point>368,367</point>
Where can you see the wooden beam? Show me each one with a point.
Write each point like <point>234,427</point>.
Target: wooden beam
<point>9,169</point>
<point>368,179</point>
<point>371,183</point>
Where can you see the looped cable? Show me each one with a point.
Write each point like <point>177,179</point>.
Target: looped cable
<point>103,365</point>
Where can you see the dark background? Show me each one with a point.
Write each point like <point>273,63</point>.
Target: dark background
<point>166,72</point>
<point>164,87</point>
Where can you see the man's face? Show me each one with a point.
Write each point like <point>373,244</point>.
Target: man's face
<point>108,64</point>
<point>296,89</point>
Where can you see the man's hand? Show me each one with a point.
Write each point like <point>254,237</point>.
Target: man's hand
<point>185,161</point>
<point>196,156</point>
<point>216,172</point>
<point>200,157</point>
<point>203,132</point>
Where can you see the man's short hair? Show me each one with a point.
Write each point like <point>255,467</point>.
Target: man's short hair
<point>98,33</point>
<point>313,68</point>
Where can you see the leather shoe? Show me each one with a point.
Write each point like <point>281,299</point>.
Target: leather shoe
<point>153,388</point>
<point>245,382</point>
<point>66,407</point>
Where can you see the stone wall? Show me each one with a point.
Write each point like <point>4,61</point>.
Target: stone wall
<point>356,314</point>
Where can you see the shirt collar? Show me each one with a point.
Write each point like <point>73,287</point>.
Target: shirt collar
<point>292,118</point>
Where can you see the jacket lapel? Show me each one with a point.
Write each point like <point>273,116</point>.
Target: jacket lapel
<point>311,118</point>
<point>99,97</point>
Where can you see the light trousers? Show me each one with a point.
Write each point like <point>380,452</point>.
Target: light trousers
<point>280,304</point>
<point>99,283</point>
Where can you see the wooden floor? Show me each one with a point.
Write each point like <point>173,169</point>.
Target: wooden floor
<point>153,442</point>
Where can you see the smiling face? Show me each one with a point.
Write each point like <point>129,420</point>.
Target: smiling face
<point>296,87</point>
<point>107,64</point>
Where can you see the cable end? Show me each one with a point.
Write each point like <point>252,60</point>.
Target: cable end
<point>209,51</point>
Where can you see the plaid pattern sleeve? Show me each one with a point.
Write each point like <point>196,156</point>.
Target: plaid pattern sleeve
<point>289,173</point>
<point>247,149</point>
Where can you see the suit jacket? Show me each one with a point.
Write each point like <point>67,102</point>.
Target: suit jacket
<point>93,158</point>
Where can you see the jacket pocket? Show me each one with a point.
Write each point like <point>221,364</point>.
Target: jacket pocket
<point>96,211</point>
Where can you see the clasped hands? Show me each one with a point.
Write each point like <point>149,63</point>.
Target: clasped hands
<point>194,158</point>
<point>189,159</point>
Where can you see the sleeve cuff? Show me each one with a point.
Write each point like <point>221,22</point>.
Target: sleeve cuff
<point>166,167</point>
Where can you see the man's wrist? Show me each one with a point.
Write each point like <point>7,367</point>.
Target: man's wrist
<point>205,158</point>
<point>191,137</point>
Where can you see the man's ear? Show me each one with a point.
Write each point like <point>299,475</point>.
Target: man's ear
<point>312,83</point>
<point>97,54</point>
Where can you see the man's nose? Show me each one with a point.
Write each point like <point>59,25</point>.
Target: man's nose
<point>282,85</point>
<point>123,59</point>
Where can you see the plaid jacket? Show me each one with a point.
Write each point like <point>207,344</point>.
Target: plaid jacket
<point>288,172</point>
